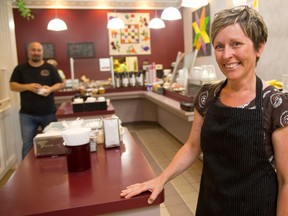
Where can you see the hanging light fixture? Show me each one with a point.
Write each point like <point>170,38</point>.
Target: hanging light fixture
<point>171,13</point>
<point>115,23</point>
<point>56,24</point>
<point>194,3</point>
<point>156,23</point>
<point>239,2</point>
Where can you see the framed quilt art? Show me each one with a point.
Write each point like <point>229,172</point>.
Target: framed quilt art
<point>134,39</point>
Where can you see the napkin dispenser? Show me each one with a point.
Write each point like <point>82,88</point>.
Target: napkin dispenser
<point>111,132</point>
<point>48,145</point>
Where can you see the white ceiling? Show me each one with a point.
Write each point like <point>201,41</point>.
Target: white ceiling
<point>103,4</point>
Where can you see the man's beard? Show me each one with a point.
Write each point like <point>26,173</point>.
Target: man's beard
<point>36,58</point>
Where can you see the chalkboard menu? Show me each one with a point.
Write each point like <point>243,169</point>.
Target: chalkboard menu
<point>81,50</point>
<point>48,50</point>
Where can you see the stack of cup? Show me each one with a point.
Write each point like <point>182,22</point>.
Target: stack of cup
<point>77,143</point>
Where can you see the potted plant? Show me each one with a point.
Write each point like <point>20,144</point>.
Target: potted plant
<point>23,10</point>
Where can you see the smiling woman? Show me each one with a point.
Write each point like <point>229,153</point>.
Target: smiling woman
<point>239,127</point>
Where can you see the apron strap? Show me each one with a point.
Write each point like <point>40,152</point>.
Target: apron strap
<point>258,100</point>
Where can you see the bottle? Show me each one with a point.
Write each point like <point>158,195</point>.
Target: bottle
<point>140,78</point>
<point>125,80</point>
<point>132,79</point>
<point>117,80</point>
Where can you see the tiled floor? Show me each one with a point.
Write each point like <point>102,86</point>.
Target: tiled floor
<point>159,148</point>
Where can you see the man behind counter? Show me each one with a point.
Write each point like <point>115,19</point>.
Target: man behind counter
<point>36,81</point>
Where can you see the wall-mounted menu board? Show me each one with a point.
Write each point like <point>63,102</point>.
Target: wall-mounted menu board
<point>49,51</point>
<point>81,50</point>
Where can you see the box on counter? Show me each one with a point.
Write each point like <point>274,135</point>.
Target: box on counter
<point>107,131</point>
<point>78,107</point>
<point>89,106</point>
<point>51,144</point>
<point>101,105</point>
<point>186,106</point>
<point>48,145</point>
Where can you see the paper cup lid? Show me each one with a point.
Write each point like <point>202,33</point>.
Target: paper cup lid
<point>76,136</point>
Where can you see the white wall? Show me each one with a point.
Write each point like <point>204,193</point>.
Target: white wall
<point>273,61</point>
<point>11,142</point>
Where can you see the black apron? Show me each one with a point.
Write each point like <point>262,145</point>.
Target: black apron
<point>237,178</point>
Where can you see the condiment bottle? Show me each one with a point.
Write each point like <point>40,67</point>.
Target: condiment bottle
<point>125,80</point>
<point>117,80</point>
<point>140,78</point>
<point>132,79</point>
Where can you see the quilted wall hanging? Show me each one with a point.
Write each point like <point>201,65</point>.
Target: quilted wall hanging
<point>134,39</point>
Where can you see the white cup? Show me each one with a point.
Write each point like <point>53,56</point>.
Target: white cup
<point>101,99</point>
<point>78,100</point>
<point>42,91</point>
<point>76,136</point>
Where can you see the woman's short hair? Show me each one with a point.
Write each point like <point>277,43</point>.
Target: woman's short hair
<point>251,22</point>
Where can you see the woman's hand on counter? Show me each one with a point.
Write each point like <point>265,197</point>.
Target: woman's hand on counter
<point>155,186</point>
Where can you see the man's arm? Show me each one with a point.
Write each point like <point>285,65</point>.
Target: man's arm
<point>18,87</point>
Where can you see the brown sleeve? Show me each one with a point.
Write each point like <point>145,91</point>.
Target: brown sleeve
<point>276,109</point>
<point>205,95</point>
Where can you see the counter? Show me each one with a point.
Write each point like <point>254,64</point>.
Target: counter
<point>43,186</point>
<point>139,105</point>
<point>65,111</point>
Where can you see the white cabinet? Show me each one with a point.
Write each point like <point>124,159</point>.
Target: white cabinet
<point>7,141</point>
<point>7,129</point>
<point>10,135</point>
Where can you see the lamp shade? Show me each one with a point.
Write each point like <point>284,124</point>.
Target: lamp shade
<point>115,23</point>
<point>194,3</point>
<point>171,13</point>
<point>239,2</point>
<point>57,24</point>
<point>156,23</point>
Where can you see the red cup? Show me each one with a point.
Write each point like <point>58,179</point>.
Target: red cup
<point>78,157</point>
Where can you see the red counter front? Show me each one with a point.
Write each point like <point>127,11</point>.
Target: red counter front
<point>43,186</point>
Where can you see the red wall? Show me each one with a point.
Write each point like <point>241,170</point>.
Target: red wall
<point>90,26</point>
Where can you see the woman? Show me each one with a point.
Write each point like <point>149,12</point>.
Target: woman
<point>61,73</point>
<point>240,125</point>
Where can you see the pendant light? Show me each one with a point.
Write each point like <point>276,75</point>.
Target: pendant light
<point>194,3</point>
<point>114,22</point>
<point>156,23</point>
<point>56,24</point>
<point>171,13</point>
<point>239,2</point>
